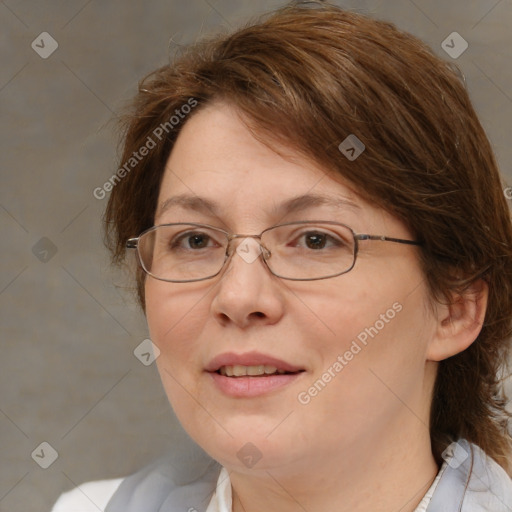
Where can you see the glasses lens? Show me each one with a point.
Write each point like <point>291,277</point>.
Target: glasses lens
<point>309,250</point>
<point>301,250</point>
<point>182,252</point>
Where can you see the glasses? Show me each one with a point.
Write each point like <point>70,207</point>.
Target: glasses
<point>299,251</point>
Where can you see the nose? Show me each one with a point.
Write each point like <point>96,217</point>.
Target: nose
<point>247,292</point>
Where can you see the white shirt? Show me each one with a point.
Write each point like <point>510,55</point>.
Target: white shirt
<point>94,496</point>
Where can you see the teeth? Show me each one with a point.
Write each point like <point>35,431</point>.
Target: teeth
<point>242,371</point>
<point>252,370</point>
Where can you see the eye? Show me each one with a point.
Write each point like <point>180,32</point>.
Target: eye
<point>192,240</point>
<point>317,240</point>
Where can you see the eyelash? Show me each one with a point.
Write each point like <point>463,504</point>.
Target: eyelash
<point>335,241</point>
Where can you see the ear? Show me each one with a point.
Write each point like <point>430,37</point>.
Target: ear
<point>459,323</point>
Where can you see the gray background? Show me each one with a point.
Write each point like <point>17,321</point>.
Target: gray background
<point>68,375</point>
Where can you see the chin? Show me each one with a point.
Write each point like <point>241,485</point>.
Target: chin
<point>245,441</point>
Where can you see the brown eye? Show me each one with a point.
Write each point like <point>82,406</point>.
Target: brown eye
<point>191,241</point>
<point>315,240</point>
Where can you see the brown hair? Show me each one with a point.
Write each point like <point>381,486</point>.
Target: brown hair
<point>308,78</point>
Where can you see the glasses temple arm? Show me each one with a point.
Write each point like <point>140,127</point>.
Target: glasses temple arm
<point>387,239</point>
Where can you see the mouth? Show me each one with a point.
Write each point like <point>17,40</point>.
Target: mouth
<point>252,371</point>
<point>251,374</point>
<point>252,364</point>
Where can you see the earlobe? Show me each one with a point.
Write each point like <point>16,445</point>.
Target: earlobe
<point>459,323</point>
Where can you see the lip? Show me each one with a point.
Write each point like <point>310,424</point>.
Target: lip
<point>249,359</point>
<point>247,387</point>
<point>251,386</point>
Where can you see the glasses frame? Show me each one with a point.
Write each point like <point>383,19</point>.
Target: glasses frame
<point>133,243</point>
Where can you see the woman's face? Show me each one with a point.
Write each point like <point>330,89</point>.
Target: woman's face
<point>357,340</point>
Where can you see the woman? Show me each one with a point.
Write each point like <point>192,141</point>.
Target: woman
<point>326,269</point>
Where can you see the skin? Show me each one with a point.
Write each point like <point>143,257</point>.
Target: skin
<point>363,442</point>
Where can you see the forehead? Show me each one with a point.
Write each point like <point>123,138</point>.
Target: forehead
<point>216,143</point>
<point>218,168</point>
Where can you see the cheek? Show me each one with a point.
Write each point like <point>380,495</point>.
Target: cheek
<point>175,319</point>
<point>381,327</point>
<point>369,360</point>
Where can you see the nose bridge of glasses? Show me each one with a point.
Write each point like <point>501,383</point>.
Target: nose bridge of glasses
<point>265,251</point>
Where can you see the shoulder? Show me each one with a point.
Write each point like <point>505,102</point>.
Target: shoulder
<point>182,479</point>
<point>471,481</point>
<point>167,486</point>
<point>489,486</point>
<point>87,497</point>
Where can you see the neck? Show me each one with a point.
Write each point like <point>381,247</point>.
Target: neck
<point>378,476</point>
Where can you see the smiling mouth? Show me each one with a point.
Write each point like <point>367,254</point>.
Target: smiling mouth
<point>252,371</point>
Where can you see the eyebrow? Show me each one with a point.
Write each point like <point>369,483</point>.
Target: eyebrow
<point>293,205</point>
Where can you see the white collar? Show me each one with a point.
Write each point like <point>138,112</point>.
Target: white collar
<point>222,500</point>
